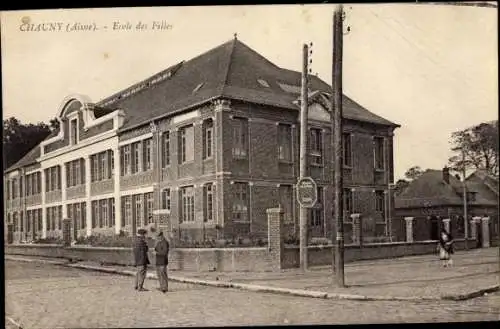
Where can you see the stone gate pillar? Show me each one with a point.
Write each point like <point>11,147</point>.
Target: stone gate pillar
<point>446,225</point>
<point>485,226</point>
<point>356,228</point>
<point>409,229</point>
<point>473,231</point>
<point>276,244</point>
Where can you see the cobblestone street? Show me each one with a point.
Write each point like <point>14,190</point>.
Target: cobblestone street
<point>48,296</point>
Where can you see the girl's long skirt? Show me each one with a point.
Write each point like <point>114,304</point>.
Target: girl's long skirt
<point>443,254</point>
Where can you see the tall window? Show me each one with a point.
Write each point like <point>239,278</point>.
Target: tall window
<point>125,160</point>
<point>240,202</point>
<point>165,199</point>
<point>127,205</point>
<point>317,211</point>
<point>103,205</point>
<point>53,179</point>
<point>14,187</point>
<point>136,157</point>
<point>33,182</point>
<point>379,201</point>
<point>21,220</point>
<point>208,202</point>
<point>83,208</point>
<point>103,166</point>
<point>95,214</point>
<point>348,201</point>
<point>138,218</point>
<point>240,137</point>
<point>346,149</point>
<point>165,154</point>
<point>15,222</point>
<point>111,163</point>
<point>284,142</point>
<point>94,164</point>
<point>111,204</point>
<point>208,128</point>
<point>148,197</point>
<point>316,142</point>
<point>379,152</point>
<point>69,210</point>
<point>75,173</point>
<point>78,215</point>
<point>286,201</point>
<point>74,131</point>
<point>29,185</point>
<point>59,213</point>
<point>28,220</point>
<point>147,154</point>
<point>186,144</point>
<point>187,204</point>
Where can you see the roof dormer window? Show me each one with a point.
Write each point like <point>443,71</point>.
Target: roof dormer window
<point>73,131</point>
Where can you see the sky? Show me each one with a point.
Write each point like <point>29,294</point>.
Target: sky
<point>430,68</point>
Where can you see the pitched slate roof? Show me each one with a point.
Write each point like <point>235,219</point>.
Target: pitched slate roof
<point>482,179</point>
<point>28,159</point>
<point>231,70</point>
<point>431,190</point>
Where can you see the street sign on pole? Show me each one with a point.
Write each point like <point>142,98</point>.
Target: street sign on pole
<point>307,192</point>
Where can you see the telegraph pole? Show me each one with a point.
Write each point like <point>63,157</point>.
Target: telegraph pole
<point>464,187</point>
<point>336,110</point>
<point>303,155</point>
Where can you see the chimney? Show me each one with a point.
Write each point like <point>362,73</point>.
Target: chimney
<point>446,175</point>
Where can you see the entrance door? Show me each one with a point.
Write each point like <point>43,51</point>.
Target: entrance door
<point>434,227</point>
<point>479,230</point>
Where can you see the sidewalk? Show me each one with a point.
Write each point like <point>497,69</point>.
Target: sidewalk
<point>411,278</point>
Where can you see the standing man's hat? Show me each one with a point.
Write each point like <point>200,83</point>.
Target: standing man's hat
<point>141,231</point>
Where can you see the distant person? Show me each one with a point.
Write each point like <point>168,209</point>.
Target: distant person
<point>162,249</point>
<point>445,247</point>
<point>141,259</point>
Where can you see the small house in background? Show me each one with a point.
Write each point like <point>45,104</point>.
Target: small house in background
<point>437,195</point>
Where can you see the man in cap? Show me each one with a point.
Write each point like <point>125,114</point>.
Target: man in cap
<point>161,249</point>
<point>141,259</point>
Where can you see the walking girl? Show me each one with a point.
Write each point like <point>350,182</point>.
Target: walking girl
<point>445,248</point>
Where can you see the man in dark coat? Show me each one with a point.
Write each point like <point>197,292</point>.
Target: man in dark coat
<point>161,249</point>
<point>141,259</point>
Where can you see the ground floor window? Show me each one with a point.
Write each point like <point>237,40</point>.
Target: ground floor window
<point>127,210</point>
<point>208,202</point>
<point>187,204</point>
<point>240,202</point>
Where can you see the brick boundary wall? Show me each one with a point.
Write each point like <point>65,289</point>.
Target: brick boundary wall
<point>233,259</point>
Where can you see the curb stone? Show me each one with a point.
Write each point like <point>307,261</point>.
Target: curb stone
<point>473,294</point>
<point>265,289</point>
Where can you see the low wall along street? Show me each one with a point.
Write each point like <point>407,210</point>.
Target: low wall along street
<point>233,259</point>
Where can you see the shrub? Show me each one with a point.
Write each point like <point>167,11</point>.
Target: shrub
<point>99,240</point>
<point>51,240</point>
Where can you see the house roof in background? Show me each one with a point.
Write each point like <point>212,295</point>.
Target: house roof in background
<point>430,190</point>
